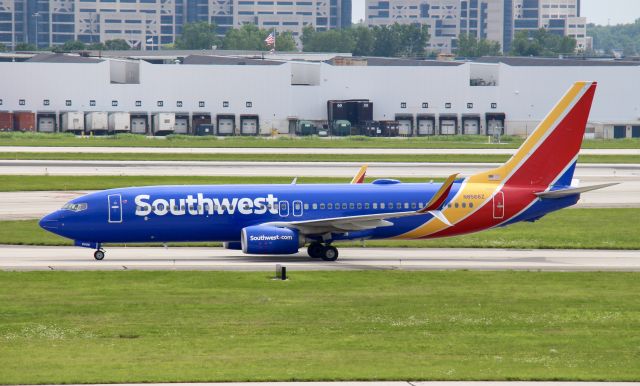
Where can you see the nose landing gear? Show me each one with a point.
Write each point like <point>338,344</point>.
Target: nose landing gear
<point>99,254</point>
<point>317,250</point>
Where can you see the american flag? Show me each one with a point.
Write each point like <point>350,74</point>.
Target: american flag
<point>270,40</point>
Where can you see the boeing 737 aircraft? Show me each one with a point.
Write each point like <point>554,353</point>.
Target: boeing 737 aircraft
<point>281,219</point>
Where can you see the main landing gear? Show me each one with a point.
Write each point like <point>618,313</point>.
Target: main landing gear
<point>99,254</point>
<point>325,252</point>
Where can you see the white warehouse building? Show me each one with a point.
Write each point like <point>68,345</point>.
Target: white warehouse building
<point>252,96</point>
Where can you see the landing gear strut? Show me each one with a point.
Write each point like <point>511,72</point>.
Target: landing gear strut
<point>325,252</point>
<point>99,254</point>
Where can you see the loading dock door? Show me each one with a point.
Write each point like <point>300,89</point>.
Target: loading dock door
<point>471,126</point>
<point>619,132</point>
<point>495,123</point>
<point>225,126</point>
<point>635,131</point>
<point>182,126</point>
<point>426,127</point>
<point>404,127</point>
<point>249,126</point>
<point>115,208</point>
<point>448,127</point>
<point>138,125</point>
<point>46,124</point>
<point>494,127</point>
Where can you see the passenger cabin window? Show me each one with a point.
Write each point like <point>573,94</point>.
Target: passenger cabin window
<point>329,206</point>
<point>322,206</point>
<point>314,206</point>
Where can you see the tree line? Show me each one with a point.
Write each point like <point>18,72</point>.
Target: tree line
<point>74,45</point>
<point>623,37</point>
<point>397,40</point>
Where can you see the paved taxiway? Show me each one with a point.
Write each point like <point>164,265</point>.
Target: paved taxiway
<point>288,169</point>
<point>146,258</point>
<point>261,150</point>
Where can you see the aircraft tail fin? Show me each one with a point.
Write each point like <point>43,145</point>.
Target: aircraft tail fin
<point>549,154</point>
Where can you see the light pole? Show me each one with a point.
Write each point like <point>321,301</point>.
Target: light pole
<point>37,16</point>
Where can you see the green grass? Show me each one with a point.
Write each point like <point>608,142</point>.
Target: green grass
<point>437,142</point>
<point>441,158</point>
<point>117,327</point>
<point>16,183</point>
<point>571,229</point>
<point>458,141</point>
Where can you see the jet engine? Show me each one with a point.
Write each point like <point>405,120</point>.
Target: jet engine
<point>269,240</point>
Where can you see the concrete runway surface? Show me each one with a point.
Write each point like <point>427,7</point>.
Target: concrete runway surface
<point>287,169</point>
<point>253,150</point>
<point>203,259</point>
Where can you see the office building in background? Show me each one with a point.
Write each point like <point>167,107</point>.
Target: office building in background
<point>147,24</point>
<point>497,20</point>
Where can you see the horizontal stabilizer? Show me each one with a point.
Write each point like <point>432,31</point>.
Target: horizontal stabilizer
<point>572,191</point>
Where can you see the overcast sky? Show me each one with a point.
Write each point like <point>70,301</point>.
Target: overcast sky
<point>596,11</point>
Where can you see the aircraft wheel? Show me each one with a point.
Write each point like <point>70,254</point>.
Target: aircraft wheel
<point>330,253</point>
<point>98,255</point>
<point>315,250</point>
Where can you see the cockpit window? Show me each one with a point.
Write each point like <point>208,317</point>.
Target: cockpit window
<point>75,207</point>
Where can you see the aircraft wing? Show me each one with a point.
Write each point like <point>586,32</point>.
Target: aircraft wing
<point>370,221</point>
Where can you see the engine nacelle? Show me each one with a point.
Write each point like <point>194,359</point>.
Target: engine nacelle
<point>236,245</point>
<point>268,240</point>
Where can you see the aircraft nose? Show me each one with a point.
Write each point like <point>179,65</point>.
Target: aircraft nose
<point>50,221</point>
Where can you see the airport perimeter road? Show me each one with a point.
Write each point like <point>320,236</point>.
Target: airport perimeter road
<point>288,169</point>
<point>254,150</point>
<point>73,258</point>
